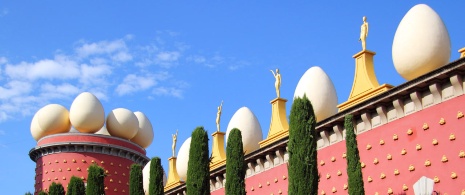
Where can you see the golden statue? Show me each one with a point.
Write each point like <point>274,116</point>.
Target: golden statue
<point>364,33</point>
<point>218,115</point>
<point>175,138</point>
<point>277,83</point>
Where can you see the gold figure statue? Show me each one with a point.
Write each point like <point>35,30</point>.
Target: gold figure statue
<point>218,116</point>
<point>175,138</point>
<point>364,33</point>
<point>277,83</point>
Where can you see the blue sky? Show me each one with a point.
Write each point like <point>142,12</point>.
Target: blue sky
<point>175,61</point>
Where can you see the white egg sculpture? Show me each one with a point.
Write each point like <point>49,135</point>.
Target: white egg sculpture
<point>122,123</point>
<point>86,113</point>
<point>183,159</point>
<point>319,89</point>
<point>421,43</point>
<point>102,131</point>
<point>36,131</point>
<point>144,136</point>
<point>50,119</point>
<point>146,177</point>
<point>250,128</point>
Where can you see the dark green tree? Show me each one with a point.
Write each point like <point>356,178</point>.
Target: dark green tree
<point>303,168</point>
<point>156,177</point>
<point>235,164</point>
<point>42,193</point>
<point>95,180</point>
<point>198,169</point>
<point>56,189</point>
<point>136,185</point>
<point>354,169</point>
<point>28,193</point>
<point>76,186</point>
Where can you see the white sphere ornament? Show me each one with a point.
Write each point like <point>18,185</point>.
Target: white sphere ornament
<point>86,113</point>
<point>183,159</point>
<point>421,43</point>
<point>319,89</point>
<point>36,131</point>
<point>146,177</point>
<point>50,119</point>
<point>144,136</point>
<point>246,121</point>
<point>122,123</point>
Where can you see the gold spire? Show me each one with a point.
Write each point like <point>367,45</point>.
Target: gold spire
<point>365,83</point>
<point>218,157</point>
<point>173,177</point>
<point>462,52</point>
<point>279,127</point>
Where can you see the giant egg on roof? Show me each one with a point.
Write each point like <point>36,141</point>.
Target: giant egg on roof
<point>86,113</point>
<point>146,177</point>
<point>319,89</point>
<point>421,43</point>
<point>246,121</point>
<point>144,135</point>
<point>183,159</point>
<point>50,119</point>
<point>122,123</point>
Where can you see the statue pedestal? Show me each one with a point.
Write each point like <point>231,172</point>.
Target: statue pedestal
<point>218,154</point>
<point>279,127</point>
<point>173,177</point>
<point>365,84</point>
<point>462,52</point>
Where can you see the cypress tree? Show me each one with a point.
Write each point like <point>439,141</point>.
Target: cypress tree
<point>76,186</point>
<point>303,168</point>
<point>136,186</point>
<point>42,193</point>
<point>56,189</point>
<point>156,177</point>
<point>354,169</point>
<point>95,180</point>
<point>235,164</point>
<point>198,169</point>
<point>28,193</point>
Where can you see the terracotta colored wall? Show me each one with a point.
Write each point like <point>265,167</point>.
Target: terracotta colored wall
<point>59,167</point>
<point>330,179</point>
<point>54,168</point>
<point>450,148</point>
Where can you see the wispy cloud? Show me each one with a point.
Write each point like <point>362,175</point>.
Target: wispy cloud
<point>4,12</point>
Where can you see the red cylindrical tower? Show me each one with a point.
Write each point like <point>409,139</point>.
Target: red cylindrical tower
<point>60,156</point>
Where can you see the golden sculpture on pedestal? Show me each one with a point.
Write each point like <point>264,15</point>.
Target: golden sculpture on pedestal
<point>277,83</point>
<point>175,138</point>
<point>218,116</point>
<point>364,33</point>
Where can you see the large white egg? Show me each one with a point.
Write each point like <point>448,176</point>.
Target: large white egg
<point>183,159</point>
<point>86,113</point>
<point>51,119</point>
<point>122,123</point>
<point>320,90</point>
<point>250,128</point>
<point>102,131</point>
<point>146,177</point>
<point>144,136</point>
<point>36,131</point>
<point>421,43</point>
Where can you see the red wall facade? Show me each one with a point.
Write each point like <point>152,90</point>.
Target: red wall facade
<point>332,165</point>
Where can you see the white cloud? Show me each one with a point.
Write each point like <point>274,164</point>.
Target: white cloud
<point>14,89</point>
<point>59,68</point>
<point>133,83</point>
<point>3,60</point>
<point>168,91</point>
<point>3,116</point>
